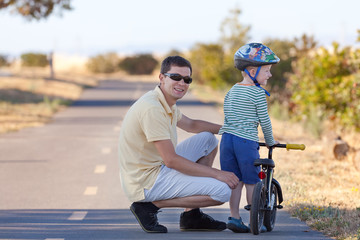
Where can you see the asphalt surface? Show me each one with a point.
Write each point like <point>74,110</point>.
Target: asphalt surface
<point>61,180</point>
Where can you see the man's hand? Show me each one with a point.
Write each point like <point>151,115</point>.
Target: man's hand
<point>229,178</point>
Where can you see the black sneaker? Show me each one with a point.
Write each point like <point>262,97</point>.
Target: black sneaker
<point>196,220</point>
<point>146,215</point>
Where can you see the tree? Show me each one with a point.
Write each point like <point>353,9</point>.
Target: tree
<point>304,45</point>
<point>35,9</point>
<point>233,33</point>
<point>284,50</point>
<point>213,63</point>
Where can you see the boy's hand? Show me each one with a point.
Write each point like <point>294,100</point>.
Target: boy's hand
<point>276,143</point>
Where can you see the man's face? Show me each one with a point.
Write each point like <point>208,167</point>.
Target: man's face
<point>174,90</point>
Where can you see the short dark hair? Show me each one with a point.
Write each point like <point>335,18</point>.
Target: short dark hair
<point>174,61</point>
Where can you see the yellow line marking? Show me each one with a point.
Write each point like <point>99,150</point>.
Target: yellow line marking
<point>100,169</point>
<point>106,150</point>
<point>78,215</point>
<point>91,191</point>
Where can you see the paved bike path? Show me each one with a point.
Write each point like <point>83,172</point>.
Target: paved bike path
<point>52,186</point>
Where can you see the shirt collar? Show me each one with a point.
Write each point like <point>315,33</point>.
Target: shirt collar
<point>163,101</point>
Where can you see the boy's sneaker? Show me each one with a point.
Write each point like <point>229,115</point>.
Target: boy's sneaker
<point>146,215</point>
<point>196,220</point>
<point>236,225</point>
<point>262,229</point>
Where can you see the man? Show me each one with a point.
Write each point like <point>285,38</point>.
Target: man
<point>156,172</point>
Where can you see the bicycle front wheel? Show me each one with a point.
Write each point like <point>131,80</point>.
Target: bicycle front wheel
<point>270,216</point>
<point>257,211</point>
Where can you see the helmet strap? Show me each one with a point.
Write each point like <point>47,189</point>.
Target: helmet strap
<point>254,79</point>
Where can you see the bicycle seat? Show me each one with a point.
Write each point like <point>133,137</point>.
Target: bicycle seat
<point>265,162</point>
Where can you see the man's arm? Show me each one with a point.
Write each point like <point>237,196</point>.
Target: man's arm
<point>183,165</point>
<point>197,126</point>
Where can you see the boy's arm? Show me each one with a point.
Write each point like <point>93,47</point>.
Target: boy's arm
<point>265,122</point>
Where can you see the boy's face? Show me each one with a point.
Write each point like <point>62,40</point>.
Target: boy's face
<point>264,74</point>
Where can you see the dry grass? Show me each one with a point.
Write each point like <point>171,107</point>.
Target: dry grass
<point>29,98</point>
<point>322,191</point>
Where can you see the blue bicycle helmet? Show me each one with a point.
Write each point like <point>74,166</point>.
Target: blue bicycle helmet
<point>257,55</point>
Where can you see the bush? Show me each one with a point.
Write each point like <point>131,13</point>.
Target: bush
<point>106,63</point>
<point>328,81</point>
<point>3,61</point>
<point>208,64</point>
<point>34,60</point>
<point>139,64</point>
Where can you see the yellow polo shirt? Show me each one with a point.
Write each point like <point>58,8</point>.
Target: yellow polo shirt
<point>149,119</point>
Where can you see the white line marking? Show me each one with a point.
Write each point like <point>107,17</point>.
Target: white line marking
<point>106,150</point>
<point>78,215</point>
<point>91,191</point>
<point>100,169</point>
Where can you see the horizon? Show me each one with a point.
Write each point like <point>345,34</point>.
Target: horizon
<point>155,27</point>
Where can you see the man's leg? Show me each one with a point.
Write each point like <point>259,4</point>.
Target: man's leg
<point>174,189</point>
<point>190,202</point>
<point>202,149</point>
<point>209,159</point>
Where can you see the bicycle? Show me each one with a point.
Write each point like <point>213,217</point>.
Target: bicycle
<point>267,195</point>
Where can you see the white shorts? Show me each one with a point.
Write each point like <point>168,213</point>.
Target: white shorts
<point>173,184</point>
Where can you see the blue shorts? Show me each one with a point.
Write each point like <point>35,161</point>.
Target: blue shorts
<point>237,155</point>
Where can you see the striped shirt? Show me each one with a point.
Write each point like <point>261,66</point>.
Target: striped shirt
<point>245,107</point>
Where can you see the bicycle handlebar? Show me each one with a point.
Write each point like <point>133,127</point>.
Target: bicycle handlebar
<point>287,146</point>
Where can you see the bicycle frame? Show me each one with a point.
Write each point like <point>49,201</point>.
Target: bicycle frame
<point>267,166</point>
<point>267,195</point>
<point>270,182</point>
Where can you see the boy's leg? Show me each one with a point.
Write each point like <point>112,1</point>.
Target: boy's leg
<point>249,192</point>
<point>235,201</point>
<point>230,161</point>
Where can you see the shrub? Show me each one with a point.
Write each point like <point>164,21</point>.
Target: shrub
<point>139,64</point>
<point>328,82</point>
<point>103,63</point>
<point>3,61</point>
<point>34,60</point>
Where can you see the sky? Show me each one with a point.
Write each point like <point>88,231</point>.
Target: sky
<point>158,26</point>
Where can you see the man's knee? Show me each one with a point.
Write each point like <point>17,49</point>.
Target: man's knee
<point>223,193</point>
<point>209,137</point>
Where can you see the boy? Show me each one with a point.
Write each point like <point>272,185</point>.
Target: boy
<point>245,107</point>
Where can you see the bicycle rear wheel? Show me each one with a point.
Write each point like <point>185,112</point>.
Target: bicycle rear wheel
<point>257,209</point>
<point>270,216</point>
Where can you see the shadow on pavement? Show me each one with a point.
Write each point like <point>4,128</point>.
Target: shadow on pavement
<point>108,224</point>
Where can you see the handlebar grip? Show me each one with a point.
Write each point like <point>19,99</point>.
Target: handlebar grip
<point>295,146</point>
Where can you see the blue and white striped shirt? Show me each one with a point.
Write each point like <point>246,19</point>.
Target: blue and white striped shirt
<point>245,107</point>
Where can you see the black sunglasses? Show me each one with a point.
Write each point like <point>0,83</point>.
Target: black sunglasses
<point>177,77</point>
